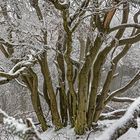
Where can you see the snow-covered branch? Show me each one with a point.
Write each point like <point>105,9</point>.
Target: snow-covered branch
<point>18,69</point>
<point>113,115</point>
<point>19,128</point>
<point>121,126</point>
<point>12,75</point>
<point>137,2</point>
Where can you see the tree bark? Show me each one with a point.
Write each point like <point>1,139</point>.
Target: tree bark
<point>32,84</point>
<point>50,91</point>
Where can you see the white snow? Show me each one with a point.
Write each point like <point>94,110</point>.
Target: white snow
<point>134,107</point>
<point>68,132</point>
<point>16,126</point>
<point>63,134</point>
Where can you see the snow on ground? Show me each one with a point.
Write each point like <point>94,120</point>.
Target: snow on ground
<point>63,134</point>
<point>68,133</point>
<point>131,111</point>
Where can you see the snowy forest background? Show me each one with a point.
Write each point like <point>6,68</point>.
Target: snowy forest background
<point>64,32</point>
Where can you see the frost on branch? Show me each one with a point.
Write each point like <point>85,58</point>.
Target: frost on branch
<point>135,1</point>
<point>19,128</point>
<point>129,120</point>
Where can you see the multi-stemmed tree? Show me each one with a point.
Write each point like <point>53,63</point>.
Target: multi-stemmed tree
<point>80,36</point>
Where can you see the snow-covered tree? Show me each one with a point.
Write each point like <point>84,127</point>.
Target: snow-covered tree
<point>75,40</point>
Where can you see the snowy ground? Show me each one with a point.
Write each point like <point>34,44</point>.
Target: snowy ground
<point>68,134</point>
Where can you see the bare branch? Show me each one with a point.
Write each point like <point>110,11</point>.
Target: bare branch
<point>130,40</point>
<point>122,26</point>
<point>123,89</point>
<point>79,12</point>
<point>123,99</point>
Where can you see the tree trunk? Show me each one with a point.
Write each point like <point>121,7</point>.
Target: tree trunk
<point>51,95</point>
<point>32,83</point>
